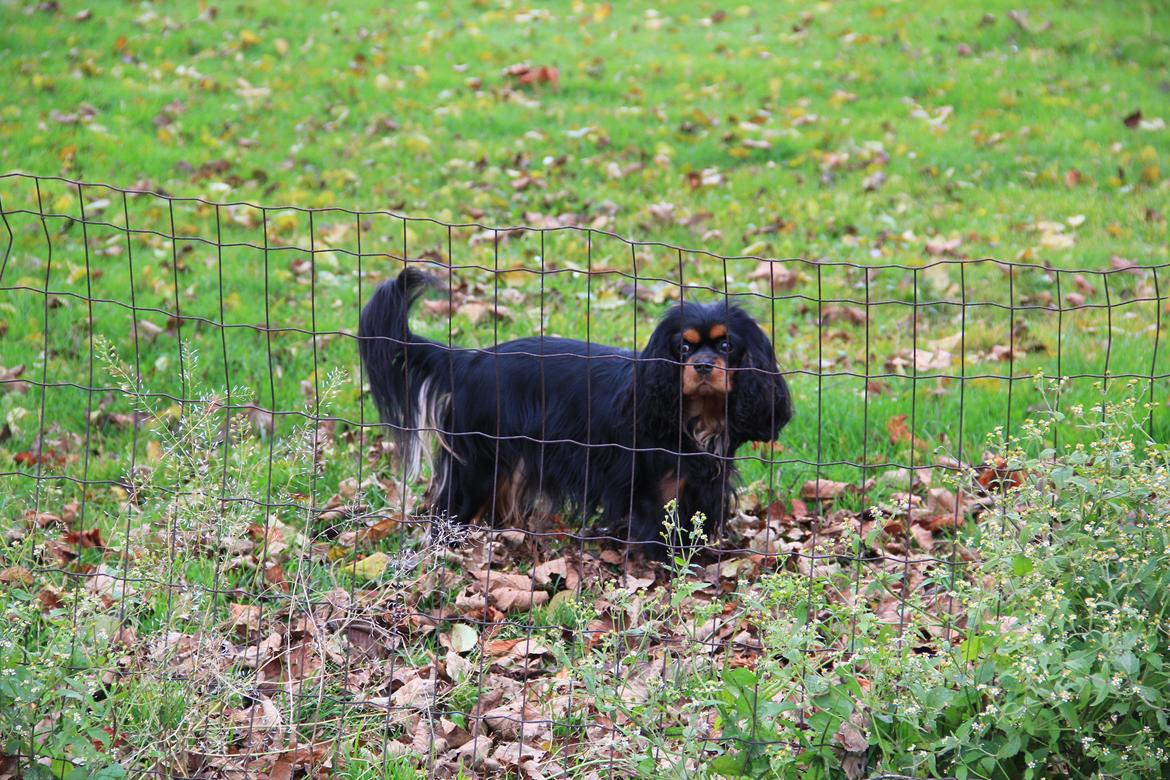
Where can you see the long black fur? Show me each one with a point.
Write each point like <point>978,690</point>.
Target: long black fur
<point>565,424</point>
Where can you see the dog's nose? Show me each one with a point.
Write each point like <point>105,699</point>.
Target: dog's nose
<point>703,369</point>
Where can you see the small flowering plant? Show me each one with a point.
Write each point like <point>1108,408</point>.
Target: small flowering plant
<point>1051,657</point>
<point>1067,648</point>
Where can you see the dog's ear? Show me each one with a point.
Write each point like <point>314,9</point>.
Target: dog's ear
<point>656,403</point>
<point>760,404</point>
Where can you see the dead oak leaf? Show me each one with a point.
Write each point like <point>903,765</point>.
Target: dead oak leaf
<point>1083,285</point>
<point>510,592</point>
<point>512,721</point>
<point>501,646</point>
<point>474,751</point>
<point>9,377</point>
<point>778,276</point>
<point>898,430</point>
<point>940,247</point>
<point>922,360</point>
<point>997,476</point>
<point>823,489</point>
<point>528,75</point>
<point>84,540</point>
<point>559,567</point>
<point>282,768</point>
<point>923,536</point>
<point>49,598</point>
<point>850,737</point>
<point>476,311</point>
<point>417,693</point>
<point>16,575</point>
<point>302,662</point>
<point>514,753</point>
<point>440,307</point>
<point>244,618</point>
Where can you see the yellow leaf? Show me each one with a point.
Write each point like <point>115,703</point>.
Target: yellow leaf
<point>700,117</point>
<point>1057,241</point>
<point>284,223</point>
<point>987,384</point>
<point>371,567</point>
<point>418,144</point>
<point>601,12</point>
<point>249,38</point>
<point>462,637</point>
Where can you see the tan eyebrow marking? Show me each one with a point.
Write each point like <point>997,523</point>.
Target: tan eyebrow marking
<point>718,331</point>
<point>692,336</point>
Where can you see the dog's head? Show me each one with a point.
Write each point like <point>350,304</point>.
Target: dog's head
<point>714,362</point>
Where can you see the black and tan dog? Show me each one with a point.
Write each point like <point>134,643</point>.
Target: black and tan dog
<point>577,426</point>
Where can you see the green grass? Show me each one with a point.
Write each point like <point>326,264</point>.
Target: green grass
<point>667,84</point>
<point>889,128</point>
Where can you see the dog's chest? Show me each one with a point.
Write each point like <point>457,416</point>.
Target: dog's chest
<point>707,422</point>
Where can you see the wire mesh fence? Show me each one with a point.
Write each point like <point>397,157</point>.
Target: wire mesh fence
<point>220,560</point>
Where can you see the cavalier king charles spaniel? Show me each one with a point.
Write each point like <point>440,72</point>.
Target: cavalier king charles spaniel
<point>557,424</point>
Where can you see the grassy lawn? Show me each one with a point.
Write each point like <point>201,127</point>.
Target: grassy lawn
<point>951,198</point>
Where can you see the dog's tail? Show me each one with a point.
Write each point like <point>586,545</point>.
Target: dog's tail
<point>410,391</point>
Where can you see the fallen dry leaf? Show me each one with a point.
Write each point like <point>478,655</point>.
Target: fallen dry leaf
<point>1121,264</point>
<point>851,738</point>
<point>507,592</point>
<point>559,567</point>
<point>245,618</point>
<point>501,646</point>
<point>460,639</point>
<point>16,575</point>
<point>417,693</point>
<point>939,247</point>
<point>898,430</point>
<point>823,489</point>
<point>778,276</point>
<point>371,567</point>
<point>997,476</point>
<point>525,74</point>
<point>923,536</point>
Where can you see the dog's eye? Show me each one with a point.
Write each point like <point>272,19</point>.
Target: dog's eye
<point>725,346</point>
<point>684,348</point>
